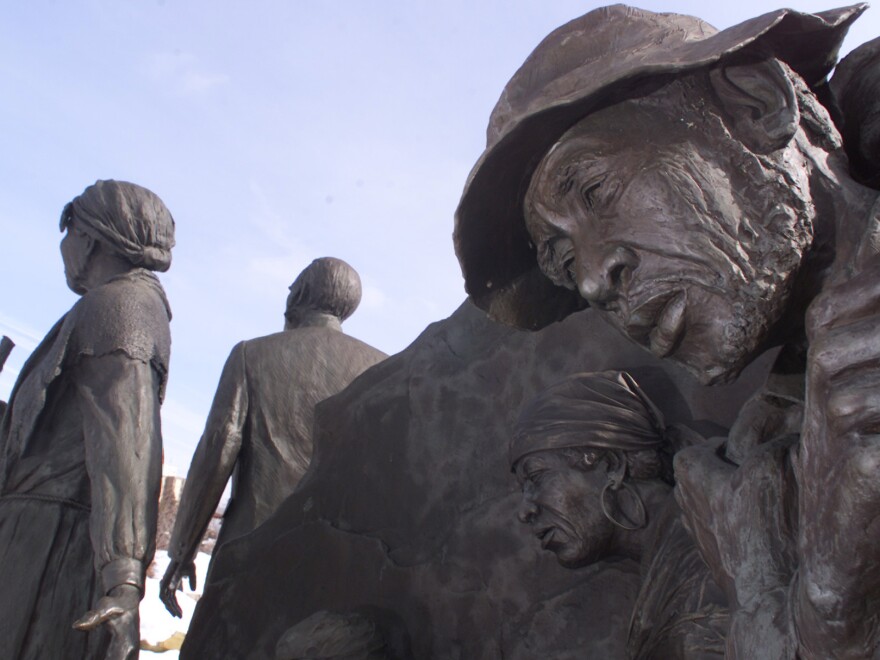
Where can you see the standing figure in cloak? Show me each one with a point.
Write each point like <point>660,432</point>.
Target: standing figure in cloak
<point>594,460</point>
<point>260,423</point>
<point>81,442</point>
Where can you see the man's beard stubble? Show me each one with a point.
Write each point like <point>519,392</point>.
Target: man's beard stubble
<point>778,221</point>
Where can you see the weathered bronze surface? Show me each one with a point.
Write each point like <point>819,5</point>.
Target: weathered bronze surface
<point>6,346</point>
<point>692,188</point>
<point>594,459</point>
<point>337,636</point>
<point>260,424</point>
<point>81,444</point>
<point>409,505</point>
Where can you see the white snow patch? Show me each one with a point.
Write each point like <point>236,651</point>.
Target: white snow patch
<point>157,624</point>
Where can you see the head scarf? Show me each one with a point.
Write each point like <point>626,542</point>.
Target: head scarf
<point>127,218</point>
<point>604,410</point>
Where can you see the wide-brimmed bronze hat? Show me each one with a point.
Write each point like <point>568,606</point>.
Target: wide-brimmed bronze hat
<point>601,57</point>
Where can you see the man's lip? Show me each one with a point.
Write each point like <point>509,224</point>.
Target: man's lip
<point>548,536</point>
<point>545,536</point>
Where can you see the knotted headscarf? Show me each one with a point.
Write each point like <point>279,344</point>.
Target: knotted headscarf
<point>602,410</point>
<point>127,218</point>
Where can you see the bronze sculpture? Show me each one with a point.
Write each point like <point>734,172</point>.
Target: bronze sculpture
<point>82,448</point>
<point>594,459</point>
<point>408,504</point>
<point>6,346</point>
<point>261,419</point>
<point>690,185</point>
<point>341,636</point>
<point>330,635</point>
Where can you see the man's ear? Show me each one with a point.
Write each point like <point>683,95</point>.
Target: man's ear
<point>759,103</point>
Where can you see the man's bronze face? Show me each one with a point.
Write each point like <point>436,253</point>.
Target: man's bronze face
<point>561,505</point>
<point>666,225</point>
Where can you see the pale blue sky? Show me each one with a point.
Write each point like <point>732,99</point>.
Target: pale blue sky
<point>276,132</point>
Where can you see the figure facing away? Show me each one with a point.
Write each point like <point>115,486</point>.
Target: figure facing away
<point>594,460</point>
<point>260,423</point>
<point>81,441</point>
<point>689,185</point>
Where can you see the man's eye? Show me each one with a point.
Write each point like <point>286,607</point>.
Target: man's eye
<point>535,477</point>
<point>556,257</point>
<point>599,195</point>
<point>562,268</point>
<point>590,194</point>
<point>569,268</point>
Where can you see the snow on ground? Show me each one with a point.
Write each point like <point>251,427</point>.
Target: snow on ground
<point>157,625</point>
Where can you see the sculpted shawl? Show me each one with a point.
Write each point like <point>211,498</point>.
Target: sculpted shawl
<point>83,332</point>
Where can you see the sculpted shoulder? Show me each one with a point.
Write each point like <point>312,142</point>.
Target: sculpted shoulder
<point>306,343</point>
<point>304,339</point>
<point>128,314</point>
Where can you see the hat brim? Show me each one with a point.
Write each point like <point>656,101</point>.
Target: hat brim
<point>497,257</point>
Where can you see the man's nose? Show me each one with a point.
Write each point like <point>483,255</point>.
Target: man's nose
<point>602,275</point>
<point>527,510</point>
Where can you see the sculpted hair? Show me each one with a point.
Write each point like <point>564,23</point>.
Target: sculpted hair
<point>328,285</point>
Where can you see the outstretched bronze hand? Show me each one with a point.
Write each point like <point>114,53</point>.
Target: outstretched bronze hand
<point>171,583</point>
<point>119,610</point>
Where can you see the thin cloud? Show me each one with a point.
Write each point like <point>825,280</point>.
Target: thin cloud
<point>182,73</point>
<point>26,340</point>
<point>373,297</point>
<point>25,337</point>
<point>197,82</point>
<point>276,273</point>
<point>270,223</point>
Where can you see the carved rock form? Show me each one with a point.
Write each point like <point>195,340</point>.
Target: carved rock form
<point>409,506</point>
<point>334,635</point>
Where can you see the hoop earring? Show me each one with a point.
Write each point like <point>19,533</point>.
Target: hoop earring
<point>640,506</point>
